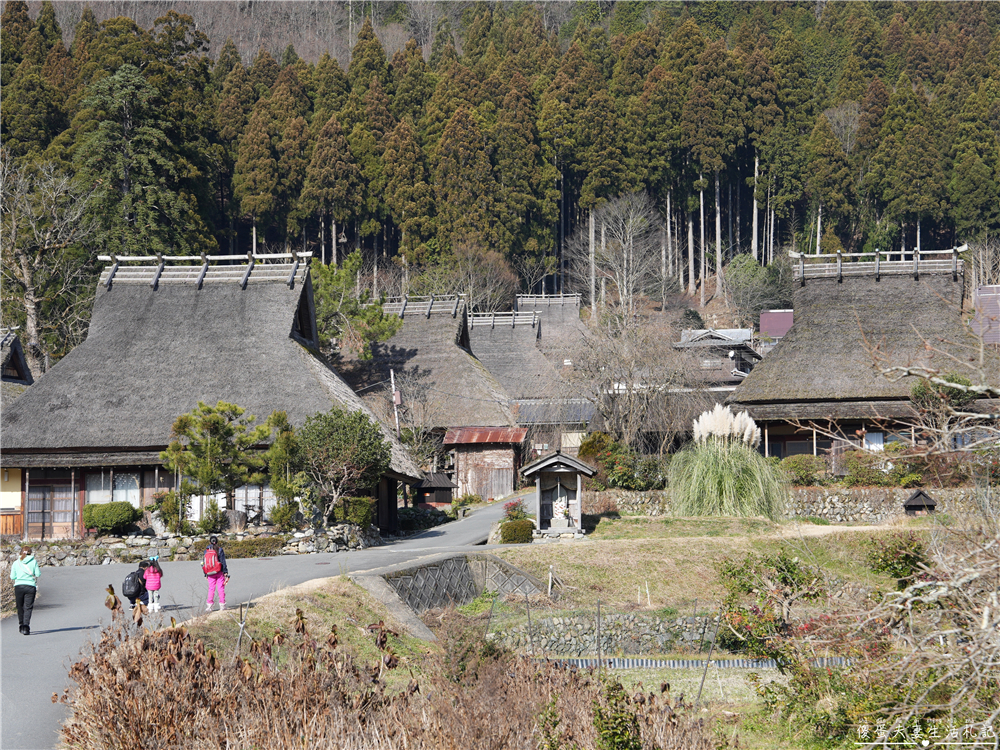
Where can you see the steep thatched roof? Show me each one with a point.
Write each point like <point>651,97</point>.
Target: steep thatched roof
<point>827,364</point>
<point>564,332</point>
<point>431,359</point>
<point>16,373</point>
<point>508,344</point>
<point>153,352</point>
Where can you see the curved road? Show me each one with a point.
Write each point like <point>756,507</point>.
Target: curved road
<point>70,612</point>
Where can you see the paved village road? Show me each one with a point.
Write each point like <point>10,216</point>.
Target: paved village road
<point>69,613</point>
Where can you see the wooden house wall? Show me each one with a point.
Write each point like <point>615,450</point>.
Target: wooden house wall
<point>485,470</point>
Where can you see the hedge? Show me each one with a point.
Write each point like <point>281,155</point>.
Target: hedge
<point>110,517</point>
<point>261,546</point>
<point>517,532</point>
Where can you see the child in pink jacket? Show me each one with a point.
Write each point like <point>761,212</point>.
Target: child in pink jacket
<point>153,575</point>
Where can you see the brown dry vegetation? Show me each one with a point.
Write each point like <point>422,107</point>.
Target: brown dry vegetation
<point>167,689</point>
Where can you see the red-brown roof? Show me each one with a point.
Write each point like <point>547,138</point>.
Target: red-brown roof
<point>466,435</point>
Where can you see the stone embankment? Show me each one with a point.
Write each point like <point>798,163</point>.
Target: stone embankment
<point>253,542</point>
<point>861,505</point>
<point>621,633</point>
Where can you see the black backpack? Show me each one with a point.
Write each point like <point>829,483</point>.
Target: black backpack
<point>132,586</point>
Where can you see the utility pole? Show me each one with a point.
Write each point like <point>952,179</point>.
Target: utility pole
<point>396,399</point>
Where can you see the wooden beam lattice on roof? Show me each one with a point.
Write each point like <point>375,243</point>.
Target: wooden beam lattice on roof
<point>427,305</point>
<point>878,264</point>
<point>156,269</point>
<point>505,319</point>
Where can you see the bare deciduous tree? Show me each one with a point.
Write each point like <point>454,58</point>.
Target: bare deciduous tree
<point>44,217</point>
<point>641,386</point>
<point>843,120</point>
<point>628,255</point>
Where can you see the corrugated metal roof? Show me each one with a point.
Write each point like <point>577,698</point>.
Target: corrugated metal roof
<point>467,435</point>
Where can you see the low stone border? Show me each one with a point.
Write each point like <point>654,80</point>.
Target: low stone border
<point>622,633</point>
<point>864,505</point>
<point>106,550</point>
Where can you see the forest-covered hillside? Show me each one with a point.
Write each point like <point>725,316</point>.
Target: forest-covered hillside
<point>462,145</point>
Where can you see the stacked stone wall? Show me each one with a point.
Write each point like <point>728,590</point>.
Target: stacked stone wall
<point>865,505</point>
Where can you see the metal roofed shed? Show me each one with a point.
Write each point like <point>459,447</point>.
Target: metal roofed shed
<point>486,459</point>
<point>558,492</point>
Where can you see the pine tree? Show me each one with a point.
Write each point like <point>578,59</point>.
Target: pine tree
<point>289,56</point>
<point>29,118</point>
<point>288,100</point>
<point>683,50</point>
<point>465,189</point>
<point>455,89</point>
<point>851,86</point>
<point>128,157</point>
<point>333,182</point>
<point>331,89</point>
<point>15,25</point>
<point>895,47</point>
<point>84,33</point>
<point>634,64</point>
<point>413,83</point>
<point>763,115</point>
<point>255,177</point>
<point>229,58</point>
<point>443,53</point>
<point>975,198</point>
<point>606,172</point>
<point>408,196</point>
<point>263,73</point>
<point>829,174</point>
<point>660,103</point>
<point>380,119</point>
<point>368,60</point>
<point>293,160</point>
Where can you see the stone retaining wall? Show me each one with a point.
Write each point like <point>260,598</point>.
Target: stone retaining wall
<point>867,505</point>
<point>106,550</point>
<point>620,634</point>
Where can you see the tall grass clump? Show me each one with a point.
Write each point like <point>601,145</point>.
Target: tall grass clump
<point>721,473</point>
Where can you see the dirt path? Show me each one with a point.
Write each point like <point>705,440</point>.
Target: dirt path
<point>809,529</point>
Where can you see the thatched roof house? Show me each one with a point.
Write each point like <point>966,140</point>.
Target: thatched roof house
<point>565,333</point>
<point>16,373</point>
<point>509,344</point>
<point>161,339</point>
<point>431,359</point>
<point>848,325</point>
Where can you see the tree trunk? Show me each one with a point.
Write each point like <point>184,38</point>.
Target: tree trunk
<point>819,229</point>
<point>718,237</point>
<point>704,262</point>
<point>670,239</point>
<point>918,238</point>
<point>593,270</point>
<point>663,268</point>
<point>691,288</point>
<point>756,209</point>
<point>254,235</point>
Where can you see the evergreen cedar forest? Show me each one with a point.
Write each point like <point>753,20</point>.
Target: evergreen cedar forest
<point>425,140</point>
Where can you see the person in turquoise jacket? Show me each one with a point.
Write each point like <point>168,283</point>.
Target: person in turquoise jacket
<point>25,572</point>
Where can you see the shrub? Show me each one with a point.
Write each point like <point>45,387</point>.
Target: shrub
<point>515,510</point>
<point>899,555</point>
<point>165,505</point>
<point>726,478</point>
<point>285,515</point>
<point>110,517</point>
<point>463,502</point>
<point>517,532</point>
<point>361,511</point>
<point>214,519</point>
<point>239,549</point>
<point>803,469</point>
<point>864,469</point>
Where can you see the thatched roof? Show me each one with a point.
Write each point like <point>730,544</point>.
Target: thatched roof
<point>827,363</point>
<point>16,373</point>
<point>508,344</point>
<point>432,361</point>
<point>152,353</point>
<point>564,333</point>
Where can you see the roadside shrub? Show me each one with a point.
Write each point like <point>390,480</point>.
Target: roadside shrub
<point>899,555</point>
<point>214,520</point>
<point>110,517</point>
<point>517,532</point>
<point>803,469</point>
<point>239,549</point>
<point>515,510</point>
<point>285,515</point>
<point>463,502</point>
<point>361,511</point>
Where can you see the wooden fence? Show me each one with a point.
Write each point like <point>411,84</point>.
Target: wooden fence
<point>10,524</point>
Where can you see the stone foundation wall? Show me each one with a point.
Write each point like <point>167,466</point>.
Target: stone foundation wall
<point>107,550</point>
<point>866,505</point>
<point>620,634</point>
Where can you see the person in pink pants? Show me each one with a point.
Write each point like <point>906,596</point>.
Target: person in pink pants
<point>216,571</point>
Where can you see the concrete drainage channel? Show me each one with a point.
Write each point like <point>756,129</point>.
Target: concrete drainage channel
<point>623,663</point>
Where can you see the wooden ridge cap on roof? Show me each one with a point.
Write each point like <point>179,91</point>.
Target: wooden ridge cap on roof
<point>158,269</point>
